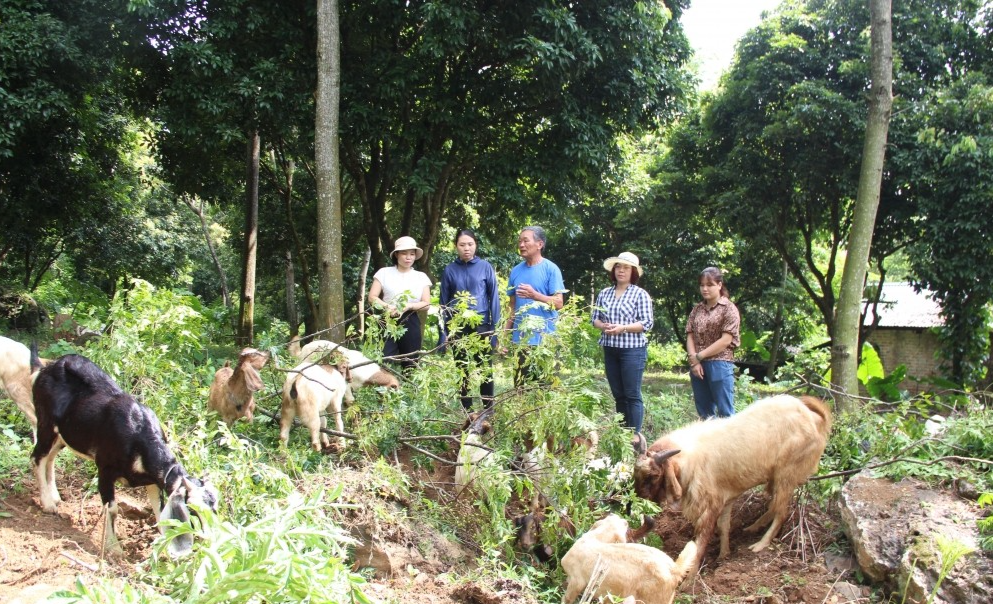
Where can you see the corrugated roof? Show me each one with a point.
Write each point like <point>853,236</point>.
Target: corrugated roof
<point>901,306</point>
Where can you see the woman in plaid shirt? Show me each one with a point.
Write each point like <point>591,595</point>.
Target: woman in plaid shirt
<point>623,312</point>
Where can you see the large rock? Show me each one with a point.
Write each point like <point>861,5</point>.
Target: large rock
<point>894,530</point>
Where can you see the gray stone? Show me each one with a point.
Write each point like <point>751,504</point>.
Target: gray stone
<point>893,528</point>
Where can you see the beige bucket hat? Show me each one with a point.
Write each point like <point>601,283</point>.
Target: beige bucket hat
<point>624,258</point>
<point>407,243</point>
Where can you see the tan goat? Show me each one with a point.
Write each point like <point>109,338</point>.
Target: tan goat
<point>703,467</point>
<point>15,375</point>
<point>628,569</point>
<point>232,394</point>
<point>311,392</point>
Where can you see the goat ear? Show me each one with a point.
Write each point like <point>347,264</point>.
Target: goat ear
<point>252,379</point>
<point>672,486</point>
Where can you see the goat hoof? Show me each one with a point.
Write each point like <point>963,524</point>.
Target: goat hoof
<point>758,547</point>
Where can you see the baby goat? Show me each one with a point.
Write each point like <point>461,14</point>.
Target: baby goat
<point>81,406</point>
<point>705,466</point>
<point>232,394</point>
<point>311,391</point>
<point>15,375</point>
<point>627,569</point>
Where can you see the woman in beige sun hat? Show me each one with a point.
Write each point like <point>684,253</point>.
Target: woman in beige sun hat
<point>401,291</point>
<point>623,313</point>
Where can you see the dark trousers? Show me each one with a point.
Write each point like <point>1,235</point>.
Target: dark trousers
<point>409,342</point>
<point>624,368</point>
<point>466,360</point>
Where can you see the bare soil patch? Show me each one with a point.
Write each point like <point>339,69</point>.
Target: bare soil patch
<point>41,553</point>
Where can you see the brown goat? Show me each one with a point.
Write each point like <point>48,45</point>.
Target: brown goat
<point>232,394</point>
<point>703,467</point>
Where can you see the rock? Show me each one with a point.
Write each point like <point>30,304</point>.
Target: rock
<point>849,592</point>
<point>894,530</point>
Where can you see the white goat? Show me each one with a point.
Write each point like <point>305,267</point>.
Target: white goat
<point>15,375</point>
<point>705,466</point>
<point>232,393</point>
<point>310,392</point>
<point>472,453</point>
<point>364,371</point>
<point>624,569</point>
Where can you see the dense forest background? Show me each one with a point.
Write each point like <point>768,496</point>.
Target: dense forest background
<point>130,128</point>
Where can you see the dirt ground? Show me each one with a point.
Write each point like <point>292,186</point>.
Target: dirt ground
<point>41,553</point>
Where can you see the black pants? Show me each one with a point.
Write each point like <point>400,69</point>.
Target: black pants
<point>465,360</point>
<point>409,342</point>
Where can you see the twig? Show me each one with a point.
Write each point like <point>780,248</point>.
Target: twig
<point>903,459</point>
<point>88,567</point>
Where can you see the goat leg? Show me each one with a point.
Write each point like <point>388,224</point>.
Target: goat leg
<point>723,530</point>
<point>110,545</point>
<point>778,507</point>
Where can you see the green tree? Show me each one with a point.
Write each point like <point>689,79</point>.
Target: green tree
<point>76,83</point>
<point>506,111</point>
<point>953,253</point>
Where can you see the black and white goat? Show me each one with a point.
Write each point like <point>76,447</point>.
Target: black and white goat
<point>80,406</point>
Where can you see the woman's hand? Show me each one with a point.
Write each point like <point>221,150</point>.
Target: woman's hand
<point>612,329</point>
<point>697,370</point>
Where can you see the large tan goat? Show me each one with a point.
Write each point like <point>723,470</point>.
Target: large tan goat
<point>604,553</point>
<point>703,467</point>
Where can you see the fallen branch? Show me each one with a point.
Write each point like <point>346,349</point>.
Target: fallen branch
<point>919,462</point>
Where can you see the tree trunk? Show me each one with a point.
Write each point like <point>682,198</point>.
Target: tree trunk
<point>225,295</point>
<point>844,345</point>
<point>777,331</point>
<point>362,289</point>
<point>246,311</point>
<point>292,316</point>
<point>332,298</point>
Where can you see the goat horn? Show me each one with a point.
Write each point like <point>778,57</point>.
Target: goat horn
<point>660,458</point>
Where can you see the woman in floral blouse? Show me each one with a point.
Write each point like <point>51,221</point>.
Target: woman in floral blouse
<point>712,334</point>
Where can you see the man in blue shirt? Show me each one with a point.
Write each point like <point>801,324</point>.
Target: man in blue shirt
<point>536,294</point>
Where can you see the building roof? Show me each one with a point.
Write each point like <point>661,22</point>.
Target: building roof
<point>901,306</point>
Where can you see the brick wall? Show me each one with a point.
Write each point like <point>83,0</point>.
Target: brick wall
<point>914,348</point>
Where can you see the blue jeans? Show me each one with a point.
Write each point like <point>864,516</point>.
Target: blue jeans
<point>624,368</point>
<point>714,394</point>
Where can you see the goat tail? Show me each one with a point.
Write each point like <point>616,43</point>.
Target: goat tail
<point>686,560</point>
<point>819,407</point>
<point>293,387</point>
<point>35,359</point>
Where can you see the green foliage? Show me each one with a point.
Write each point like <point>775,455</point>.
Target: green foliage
<point>15,453</point>
<point>986,524</point>
<point>866,436</point>
<point>666,356</point>
<point>293,552</point>
<point>751,344</point>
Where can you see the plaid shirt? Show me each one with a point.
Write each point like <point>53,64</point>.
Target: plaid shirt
<point>634,306</point>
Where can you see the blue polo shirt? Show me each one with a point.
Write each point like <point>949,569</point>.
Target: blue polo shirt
<point>547,279</point>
